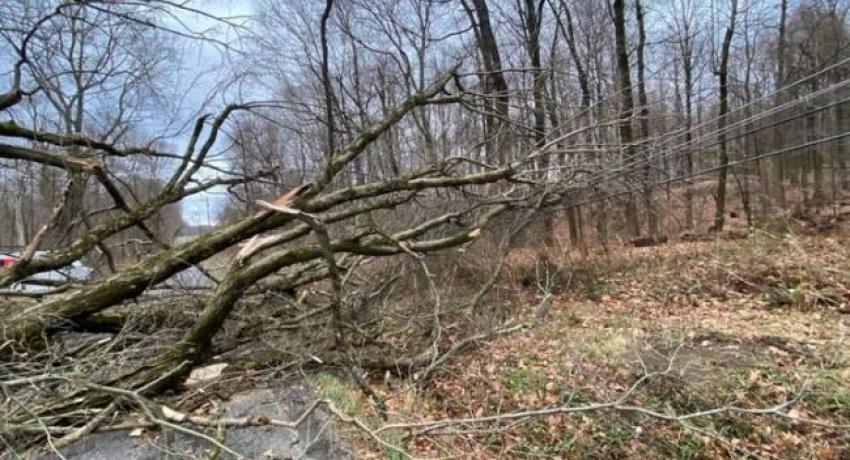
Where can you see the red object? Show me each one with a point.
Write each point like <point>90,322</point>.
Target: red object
<point>6,261</point>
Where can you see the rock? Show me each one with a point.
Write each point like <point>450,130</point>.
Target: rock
<point>315,438</point>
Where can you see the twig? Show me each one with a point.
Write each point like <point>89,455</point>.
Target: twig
<point>89,427</point>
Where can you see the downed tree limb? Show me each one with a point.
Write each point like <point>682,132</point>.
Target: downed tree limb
<point>132,281</point>
<point>77,249</point>
<point>198,339</point>
<point>68,162</point>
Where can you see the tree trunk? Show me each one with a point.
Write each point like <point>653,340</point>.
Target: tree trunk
<point>20,227</point>
<point>778,163</point>
<point>573,222</point>
<point>816,152</point>
<point>626,109</point>
<point>602,223</point>
<point>496,84</point>
<point>723,76</point>
<point>533,12</point>
<point>583,120</point>
<point>643,101</point>
<point>688,67</point>
<point>842,150</point>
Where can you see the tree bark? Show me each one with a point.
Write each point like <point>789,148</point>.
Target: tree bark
<point>723,77</point>
<point>533,12</point>
<point>643,101</point>
<point>626,109</point>
<point>495,83</point>
<point>778,170</point>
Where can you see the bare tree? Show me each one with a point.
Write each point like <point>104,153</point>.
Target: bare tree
<point>643,101</point>
<point>722,73</point>
<point>626,106</point>
<point>494,78</point>
<point>684,17</point>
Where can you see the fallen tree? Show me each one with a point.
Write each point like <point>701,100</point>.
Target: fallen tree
<point>316,233</point>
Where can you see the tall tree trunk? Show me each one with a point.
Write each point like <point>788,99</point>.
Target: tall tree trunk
<point>73,119</point>
<point>778,169</point>
<point>816,152</point>
<point>643,101</point>
<point>602,223</point>
<point>723,77</point>
<point>569,34</point>
<point>626,108</point>
<point>496,84</point>
<point>750,143</point>
<point>584,119</point>
<point>532,16</point>
<point>688,69</point>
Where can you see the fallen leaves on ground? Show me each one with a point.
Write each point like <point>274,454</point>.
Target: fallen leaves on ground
<point>754,322</point>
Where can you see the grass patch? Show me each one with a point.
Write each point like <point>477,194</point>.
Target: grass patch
<point>686,447</point>
<point>343,394</point>
<point>830,396</point>
<point>523,380</point>
<point>346,397</point>
<point>571,319</point>
<point>609,346</point>
<point>595,289</point>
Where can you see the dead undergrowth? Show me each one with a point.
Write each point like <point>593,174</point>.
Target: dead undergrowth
<point>750,323</point>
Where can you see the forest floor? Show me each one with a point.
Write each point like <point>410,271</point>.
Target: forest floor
<point>747,324</point>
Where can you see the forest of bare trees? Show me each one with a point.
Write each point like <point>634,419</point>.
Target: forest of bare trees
<point>349,179</point>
